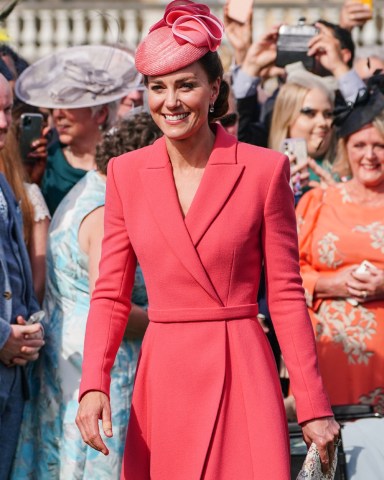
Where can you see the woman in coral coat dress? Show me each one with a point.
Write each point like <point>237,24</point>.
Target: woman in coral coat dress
<point>201,212</point>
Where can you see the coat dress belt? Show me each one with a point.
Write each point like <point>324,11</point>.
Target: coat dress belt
<point>235,312</point>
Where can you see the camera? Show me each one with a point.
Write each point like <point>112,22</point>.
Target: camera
<point>292,44</point>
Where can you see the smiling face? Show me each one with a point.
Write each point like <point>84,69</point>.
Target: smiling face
<point>314,123</point>
<point>365,150</point>
<point>179,101</point>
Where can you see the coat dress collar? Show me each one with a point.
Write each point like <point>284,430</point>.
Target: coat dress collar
<point>220,177</point>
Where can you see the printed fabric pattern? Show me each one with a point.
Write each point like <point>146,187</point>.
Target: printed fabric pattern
<point>50,445</point>
<point>334,234</point>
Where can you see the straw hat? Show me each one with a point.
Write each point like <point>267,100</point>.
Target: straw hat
<point>186,33</point>
<point>82,76</point>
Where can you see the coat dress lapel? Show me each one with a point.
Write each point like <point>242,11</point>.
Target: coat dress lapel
<point>219,179</point>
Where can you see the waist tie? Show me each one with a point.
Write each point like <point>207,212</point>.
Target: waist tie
<point>214,314</point>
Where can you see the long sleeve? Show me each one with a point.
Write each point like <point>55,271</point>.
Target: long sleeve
<point>307,212</point>
<point>5,330</point>
<point>110,303</point>
<point>286,298</point>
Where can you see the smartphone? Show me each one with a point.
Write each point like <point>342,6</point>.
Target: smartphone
<point>239,9</point>
<point>365,266</point>
<point>31,125</point>
<point>36,317</point>
<point>296,147</point>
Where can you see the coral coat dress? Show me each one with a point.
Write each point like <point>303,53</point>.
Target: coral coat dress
<point>207,402</point>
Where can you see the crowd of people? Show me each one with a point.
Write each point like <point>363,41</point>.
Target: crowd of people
<point>177,278</point>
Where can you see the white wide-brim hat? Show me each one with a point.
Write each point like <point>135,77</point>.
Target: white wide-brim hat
<point>82,76</point>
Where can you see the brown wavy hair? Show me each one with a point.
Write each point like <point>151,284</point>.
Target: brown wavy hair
<point>129,134</point>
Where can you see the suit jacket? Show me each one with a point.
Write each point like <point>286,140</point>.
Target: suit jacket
<point>15,225</point>
<point>206,380</point>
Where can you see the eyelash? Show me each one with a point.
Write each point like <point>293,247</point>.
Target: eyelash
<point>184,86</point>
<point>312,114</point>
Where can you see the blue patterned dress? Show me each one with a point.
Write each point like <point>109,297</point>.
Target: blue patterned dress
<point>50,445</point>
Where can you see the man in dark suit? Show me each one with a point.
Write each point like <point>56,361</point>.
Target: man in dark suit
<point>19,343</point>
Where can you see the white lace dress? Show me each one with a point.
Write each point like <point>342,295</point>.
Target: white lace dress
<point>36,198</point>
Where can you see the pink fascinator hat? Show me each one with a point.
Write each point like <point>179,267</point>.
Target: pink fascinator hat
<point>186,33</point>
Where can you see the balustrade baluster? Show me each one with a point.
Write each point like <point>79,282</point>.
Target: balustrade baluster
<point>28,35</point>
<point>96,31</point>
<point>63,35</point>
<point>45,34</point>
<point>63,26</point>
<point>113,23</point>
<point>13,28</point>
<point>130,34</point>
<point>79,31</point>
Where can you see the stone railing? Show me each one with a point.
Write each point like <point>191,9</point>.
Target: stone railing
<point>38,28</point>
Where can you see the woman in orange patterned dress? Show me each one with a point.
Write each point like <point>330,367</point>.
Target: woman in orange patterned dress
<point>340,227</point>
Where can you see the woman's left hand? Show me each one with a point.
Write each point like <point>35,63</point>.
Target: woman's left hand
<point>324,432</point>
<point>367,286</point>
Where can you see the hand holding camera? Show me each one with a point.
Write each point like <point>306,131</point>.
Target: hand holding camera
<point>325,49</point>
<point>262,54</point>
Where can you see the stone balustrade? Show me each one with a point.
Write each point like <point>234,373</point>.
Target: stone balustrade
<point>38,28</point>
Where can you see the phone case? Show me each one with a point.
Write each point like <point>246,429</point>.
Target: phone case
<point>365,266</point>
<point>30,129</point>
<point>239,10</point>
<point>296,147</point>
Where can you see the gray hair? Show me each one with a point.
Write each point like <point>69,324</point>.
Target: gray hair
<point>111,119</point>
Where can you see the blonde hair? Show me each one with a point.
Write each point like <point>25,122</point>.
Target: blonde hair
<point>287,107</point>
<point>12,168</point>
<point>342,166</point>
<point>286,110</point>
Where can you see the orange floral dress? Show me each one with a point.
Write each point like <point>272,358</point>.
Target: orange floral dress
<point>335,233</point>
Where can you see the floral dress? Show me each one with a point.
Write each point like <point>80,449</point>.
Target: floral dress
<point>335,233</point>
<point>50,445</point>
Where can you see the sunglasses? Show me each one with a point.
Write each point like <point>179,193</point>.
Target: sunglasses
<point>229,120</point>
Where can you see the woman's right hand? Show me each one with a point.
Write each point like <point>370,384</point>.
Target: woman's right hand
<point>367,286</point>
<point>94,406</point>
<point>335,285</point>
<point>326,178</point>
